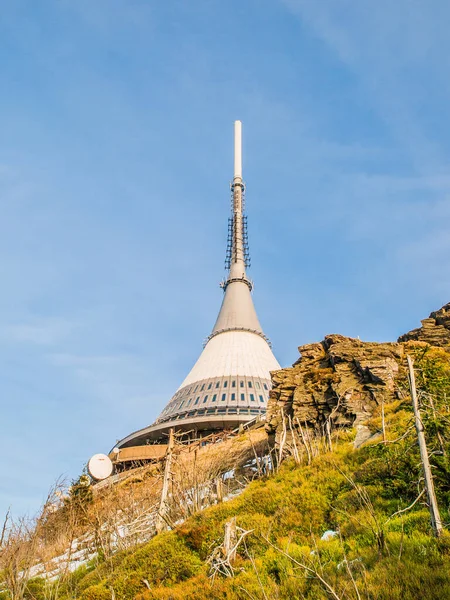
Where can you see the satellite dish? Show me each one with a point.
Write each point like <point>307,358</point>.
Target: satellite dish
<point>116,450</point>
<point>100,466</point>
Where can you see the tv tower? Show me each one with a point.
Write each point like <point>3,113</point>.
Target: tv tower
<point>230,382</point>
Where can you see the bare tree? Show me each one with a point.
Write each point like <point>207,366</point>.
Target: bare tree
<point>223,556</point>
<point>436,522</point>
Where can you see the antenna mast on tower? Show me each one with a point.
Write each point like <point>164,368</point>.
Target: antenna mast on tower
<point>238,257</point>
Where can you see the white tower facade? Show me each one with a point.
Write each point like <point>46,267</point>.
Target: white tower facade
<point>230,382</point>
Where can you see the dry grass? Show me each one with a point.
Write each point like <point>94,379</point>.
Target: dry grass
<point>116,516</point>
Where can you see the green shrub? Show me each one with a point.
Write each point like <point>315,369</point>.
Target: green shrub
<point>97,592</point>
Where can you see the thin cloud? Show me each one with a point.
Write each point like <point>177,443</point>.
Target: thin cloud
<point>41,332</point>
<point>388,46</point>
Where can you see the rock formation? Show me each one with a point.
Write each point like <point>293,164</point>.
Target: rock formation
<point>435,330</point>
<point>340,381</point>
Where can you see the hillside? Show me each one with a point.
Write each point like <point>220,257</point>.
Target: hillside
<point>339,511</point>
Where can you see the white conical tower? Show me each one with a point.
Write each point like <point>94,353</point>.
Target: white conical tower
<point>230,382</point>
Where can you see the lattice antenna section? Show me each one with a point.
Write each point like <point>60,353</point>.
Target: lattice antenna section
<point>234,231</point>
<point>229,243</point>
<point>247,258</point>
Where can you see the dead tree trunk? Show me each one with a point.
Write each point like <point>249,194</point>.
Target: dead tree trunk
<point>293,441</point>
<point>305,441</point>
<point>196,492</point>
<point>219,488</point>
<point>428,476</point>
<point>161,516</point>
<point>328,431</point>
<point>229,542</point>
<point>282,438</point>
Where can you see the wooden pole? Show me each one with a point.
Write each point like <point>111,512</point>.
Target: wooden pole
<point>436,522</point>
<point>160,520</point>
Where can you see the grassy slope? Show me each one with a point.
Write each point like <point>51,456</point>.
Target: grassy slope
<point>353,491</point>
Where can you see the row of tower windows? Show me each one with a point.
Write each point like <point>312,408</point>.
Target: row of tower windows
<point>233,410</point>
<point>218,387</point>
<point>223,398</point>
<point>233,384</point>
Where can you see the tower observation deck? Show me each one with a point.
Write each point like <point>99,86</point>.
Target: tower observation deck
<point>230,382</point>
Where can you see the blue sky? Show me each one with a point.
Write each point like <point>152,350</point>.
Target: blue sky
<point>116,121</point>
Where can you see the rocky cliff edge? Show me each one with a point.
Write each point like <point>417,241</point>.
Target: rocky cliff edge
<point>339,382</point>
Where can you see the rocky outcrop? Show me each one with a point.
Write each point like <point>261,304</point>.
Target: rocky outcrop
<point>435,330</point>
<point>340,380</point>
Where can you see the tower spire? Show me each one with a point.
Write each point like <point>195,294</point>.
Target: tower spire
<point>237,312</point>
